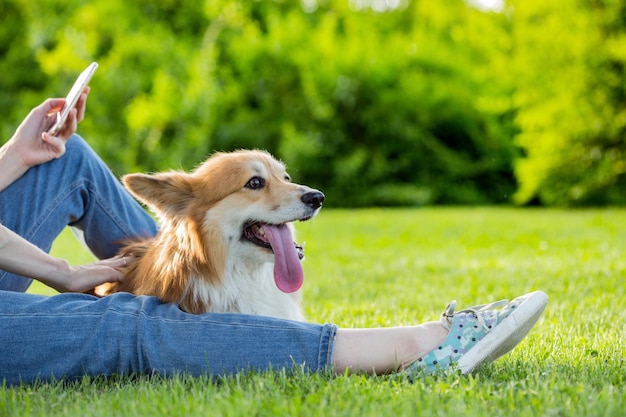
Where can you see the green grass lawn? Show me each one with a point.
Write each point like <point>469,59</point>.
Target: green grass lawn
<point>393,267</point>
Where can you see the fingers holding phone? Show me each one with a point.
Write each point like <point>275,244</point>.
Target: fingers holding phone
<point>73,118</point>
<point>39,138</point>
<point>72,100</point>
<point>56,143</point>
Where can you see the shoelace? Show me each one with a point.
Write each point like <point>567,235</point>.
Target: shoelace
<point>448,313</point>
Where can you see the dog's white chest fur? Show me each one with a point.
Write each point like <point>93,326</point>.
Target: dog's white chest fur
<point>248,292</point>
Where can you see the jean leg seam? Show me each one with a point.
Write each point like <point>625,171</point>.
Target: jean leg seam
<point>326,348</point>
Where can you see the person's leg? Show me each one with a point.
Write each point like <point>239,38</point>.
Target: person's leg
<point>384,350</point>
<point>71,335</point>
<point>79,190</point>
<point>461,340</point>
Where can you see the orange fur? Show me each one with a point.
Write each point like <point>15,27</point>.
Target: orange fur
<point>202,216</point>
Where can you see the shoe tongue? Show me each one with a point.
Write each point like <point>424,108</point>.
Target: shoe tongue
<point>288,272</point>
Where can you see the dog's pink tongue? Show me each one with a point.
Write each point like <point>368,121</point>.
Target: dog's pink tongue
<point>288,272</point>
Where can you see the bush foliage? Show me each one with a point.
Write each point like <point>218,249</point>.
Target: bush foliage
<point>376,103</point>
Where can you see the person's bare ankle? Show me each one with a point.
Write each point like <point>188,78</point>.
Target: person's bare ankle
<point>428,336</point>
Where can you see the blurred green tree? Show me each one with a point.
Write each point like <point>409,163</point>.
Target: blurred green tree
<point>375,108</point>
<point>570,58</point>
<point>376,103</point>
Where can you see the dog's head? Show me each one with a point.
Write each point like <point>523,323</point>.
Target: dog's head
<point>239,205</point>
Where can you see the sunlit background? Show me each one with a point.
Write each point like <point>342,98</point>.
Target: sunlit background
<point>377,102</point>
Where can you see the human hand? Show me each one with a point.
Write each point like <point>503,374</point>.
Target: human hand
<point>32,143</point>
<point>84,278</point>
<point>21,257</point>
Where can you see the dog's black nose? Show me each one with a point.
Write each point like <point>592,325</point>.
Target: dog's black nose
<point>313,199</point>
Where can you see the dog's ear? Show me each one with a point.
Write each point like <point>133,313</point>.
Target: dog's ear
<point>165,193</point>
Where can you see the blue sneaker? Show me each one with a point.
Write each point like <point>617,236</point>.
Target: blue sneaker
<point>481,334</point>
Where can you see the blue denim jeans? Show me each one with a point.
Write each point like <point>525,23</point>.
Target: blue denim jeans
<point>72,335</point>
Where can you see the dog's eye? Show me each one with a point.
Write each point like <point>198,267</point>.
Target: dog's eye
<point>255,183</point>
<point>287,178</point>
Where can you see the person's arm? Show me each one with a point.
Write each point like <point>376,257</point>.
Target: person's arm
<point>31,144</point>
<point>21,257</point>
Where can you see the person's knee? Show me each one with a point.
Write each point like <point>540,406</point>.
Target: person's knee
<point>76,146</point>
<point>84,160</point>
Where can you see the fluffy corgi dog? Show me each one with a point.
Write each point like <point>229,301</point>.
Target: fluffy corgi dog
<point>225,242</point>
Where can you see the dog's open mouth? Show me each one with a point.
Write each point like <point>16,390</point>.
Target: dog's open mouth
<point>255,233</point>
<point>288,272</point>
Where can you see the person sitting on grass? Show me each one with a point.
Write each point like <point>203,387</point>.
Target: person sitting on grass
<point>49,182</point>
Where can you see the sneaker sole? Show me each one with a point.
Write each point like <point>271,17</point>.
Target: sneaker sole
<point>508,334</point>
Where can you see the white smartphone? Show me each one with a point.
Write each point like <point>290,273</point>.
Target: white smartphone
<point>72,97</point>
